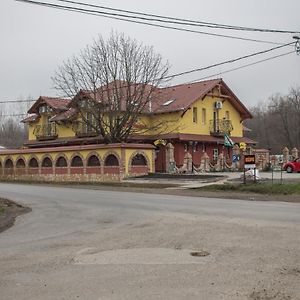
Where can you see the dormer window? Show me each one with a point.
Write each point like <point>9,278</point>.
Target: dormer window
<point>85,104</point>
<point>44,109</point>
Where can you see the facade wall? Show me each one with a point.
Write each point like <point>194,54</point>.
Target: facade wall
<point>79,166</point>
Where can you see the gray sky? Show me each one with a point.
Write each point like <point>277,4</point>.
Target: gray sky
<point>35,40</point>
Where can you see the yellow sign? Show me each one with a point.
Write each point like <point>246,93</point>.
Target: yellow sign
<point>160,142</point>
<point>242,145</point>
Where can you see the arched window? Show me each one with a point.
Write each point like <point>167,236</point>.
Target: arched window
<point>77,162</point>
<point>47,163</point>
<point>111,160</point>
<point>93,161</point>
<point>20,163</point>
<point>139,160</point>
<point>61,162</point>
<point>33,163</point>
<point>9,164</point>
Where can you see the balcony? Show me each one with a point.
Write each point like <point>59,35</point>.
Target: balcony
<point>45,132</point>
<point>218,127</point>
<point>82,129</point>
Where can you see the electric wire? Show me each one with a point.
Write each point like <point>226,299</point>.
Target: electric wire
<point>126,19</point>
<point>189,82</point>
<point>182,20</point>
<point>241,67</point>
<point>228,61</point>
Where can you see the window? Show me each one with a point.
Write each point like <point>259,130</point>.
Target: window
<point>168,102</point>
<point>33,163</point>
<point>227,115</point>
<point>203,116</point>
<point>47,163</point>
<point>61,162</point>
<point>9,164</point>
<point>195,115</point>
<point>20,163</point>
<point>111,160</point>
<point>93,161</point>
<point>76,162</point>
<point>139,160</point>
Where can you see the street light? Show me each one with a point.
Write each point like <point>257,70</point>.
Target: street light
<point>297,44</point>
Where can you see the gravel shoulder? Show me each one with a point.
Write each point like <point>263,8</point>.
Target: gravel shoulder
<point>9,211</point>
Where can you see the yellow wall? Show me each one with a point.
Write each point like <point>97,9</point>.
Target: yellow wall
<point>102,153</point>
<point>182,122</point>
<point>174,122</point>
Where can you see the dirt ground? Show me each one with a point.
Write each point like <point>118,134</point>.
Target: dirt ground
<point>9,210</point>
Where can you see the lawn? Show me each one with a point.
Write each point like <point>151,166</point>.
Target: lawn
<point>259,188</point>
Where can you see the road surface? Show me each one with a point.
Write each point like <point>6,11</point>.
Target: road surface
<point>94,244</point>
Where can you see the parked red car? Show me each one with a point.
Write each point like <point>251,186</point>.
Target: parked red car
<point>292,166</point>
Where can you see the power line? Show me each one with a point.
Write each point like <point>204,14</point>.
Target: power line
<point>181,20</point>
<point>13,115</point>
<point>202,78</point>
<point>241,67</point>
<point>200,69</point>
<point>126,19</point>
<point>18,101</point>
<point>228,61</point>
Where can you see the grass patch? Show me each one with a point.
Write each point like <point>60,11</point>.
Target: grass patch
<point>258,188</point>
<point>95,184</point>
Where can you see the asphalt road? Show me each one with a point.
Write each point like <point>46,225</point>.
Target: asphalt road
<point>82,244</point>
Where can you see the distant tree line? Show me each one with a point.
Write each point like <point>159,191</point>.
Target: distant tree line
<point>12,133</point>
<point>276,123</point>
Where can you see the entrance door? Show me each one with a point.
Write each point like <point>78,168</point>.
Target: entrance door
<point>160,159</point>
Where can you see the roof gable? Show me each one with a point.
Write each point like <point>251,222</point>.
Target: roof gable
<point>185,95</point>
<point>57,104</point>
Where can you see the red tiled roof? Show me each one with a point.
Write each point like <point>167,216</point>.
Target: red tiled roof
<point>54,103</point>
<point>169,99</point>
<point>182,96</point>
<point>193,137</point>
<point>65,115</point>
<point>243,140</point>
<point>30,119</point>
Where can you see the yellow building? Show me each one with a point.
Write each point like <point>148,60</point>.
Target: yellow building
<point>194,118</point>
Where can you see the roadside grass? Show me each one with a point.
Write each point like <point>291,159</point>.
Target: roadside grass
<point>258,188</point>
<point>95,184</point>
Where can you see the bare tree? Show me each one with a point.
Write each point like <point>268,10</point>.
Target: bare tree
<point>277,122</point>
<point>12,132</point>
<point>118,78</point>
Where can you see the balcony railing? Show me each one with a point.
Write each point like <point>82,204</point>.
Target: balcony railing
<point>45,132</point>
<point>82,129</point>
<point>218,127</point>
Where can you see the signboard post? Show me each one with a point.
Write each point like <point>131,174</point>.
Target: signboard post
<point>249,163</point>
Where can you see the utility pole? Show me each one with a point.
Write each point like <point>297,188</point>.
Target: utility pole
<point>297,44</point>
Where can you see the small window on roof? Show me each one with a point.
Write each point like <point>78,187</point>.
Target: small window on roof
<point>169,102</point>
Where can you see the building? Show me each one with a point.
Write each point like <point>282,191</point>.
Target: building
<point>194,118</point>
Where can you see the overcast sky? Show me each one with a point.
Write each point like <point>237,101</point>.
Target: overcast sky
<point>35,40</point>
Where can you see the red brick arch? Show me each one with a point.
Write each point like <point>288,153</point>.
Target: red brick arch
<point>20,165</point>
<point>111,169</point>
<point>8,169</point>
<point>138,169</point>
<point>46,170</point>
<point>33,170</point>
<point>94,169</point>
<point>77,169</point>
<point>61,169</point>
